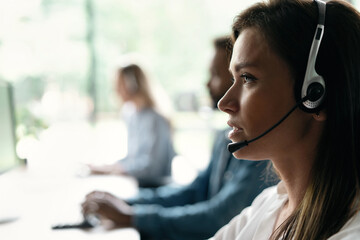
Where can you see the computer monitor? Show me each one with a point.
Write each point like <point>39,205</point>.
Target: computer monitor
<point>8,157</point>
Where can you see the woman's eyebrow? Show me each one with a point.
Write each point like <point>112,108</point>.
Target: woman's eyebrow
<point>241,65</point>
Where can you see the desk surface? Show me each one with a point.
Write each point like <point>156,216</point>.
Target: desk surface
<point>41,201</point>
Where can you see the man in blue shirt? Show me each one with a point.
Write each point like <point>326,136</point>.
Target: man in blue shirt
<point>197,210</point>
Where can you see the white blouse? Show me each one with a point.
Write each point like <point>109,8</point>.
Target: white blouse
<point>257,221</point>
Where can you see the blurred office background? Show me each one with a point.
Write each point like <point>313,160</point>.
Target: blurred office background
<point>60,57</point>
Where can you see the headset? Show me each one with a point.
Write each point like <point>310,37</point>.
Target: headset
<point>313,88</point>
<point>314,84</point>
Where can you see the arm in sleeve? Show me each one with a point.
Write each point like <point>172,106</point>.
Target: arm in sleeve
<point>169,196</point>
<point>203,219</point>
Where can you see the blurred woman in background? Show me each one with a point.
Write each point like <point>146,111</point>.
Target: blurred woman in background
<point>150,146</point>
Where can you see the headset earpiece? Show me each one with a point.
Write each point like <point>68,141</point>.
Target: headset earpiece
<point>315,91</point>
<point>313,88</point>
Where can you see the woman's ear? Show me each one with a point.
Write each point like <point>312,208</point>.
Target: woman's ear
<point>320,116</point>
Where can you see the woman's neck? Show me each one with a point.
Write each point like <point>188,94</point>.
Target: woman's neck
<point>295,188</point>
<point>295,173</point>
<point>140,103</point>
<point>294,165</point>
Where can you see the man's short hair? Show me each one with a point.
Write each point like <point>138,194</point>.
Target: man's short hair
<point>224,43</point>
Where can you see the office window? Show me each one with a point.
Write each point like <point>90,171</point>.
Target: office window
<point>60,56</point>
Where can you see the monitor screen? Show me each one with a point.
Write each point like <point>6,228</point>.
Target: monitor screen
<point>8,157</point>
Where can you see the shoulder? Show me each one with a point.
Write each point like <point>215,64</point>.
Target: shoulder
<point>150,115</point>
<point>250,216</point>
<point>148,112</point>
<point>269,194</point>
<point>350,231</point>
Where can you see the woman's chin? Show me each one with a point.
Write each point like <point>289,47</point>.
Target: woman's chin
<point>246,155</point>
<point>238,154</point>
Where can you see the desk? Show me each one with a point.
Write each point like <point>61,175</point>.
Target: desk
<point>49,191</point>
<point>45,200</point>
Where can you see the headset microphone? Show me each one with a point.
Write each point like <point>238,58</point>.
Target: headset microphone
<point>233,147</point>
<point>313,89</point>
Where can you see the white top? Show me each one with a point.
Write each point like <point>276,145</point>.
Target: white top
<point>257,221</point>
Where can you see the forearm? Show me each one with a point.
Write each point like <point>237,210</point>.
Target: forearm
<point>114,168</point>
<point>167,224</point>
<point>169,196</point>
<point>196,221</point>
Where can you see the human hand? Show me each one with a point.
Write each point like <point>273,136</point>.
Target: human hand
<point>99,170</point>
<point>107,206</point>
<point>115,169</point>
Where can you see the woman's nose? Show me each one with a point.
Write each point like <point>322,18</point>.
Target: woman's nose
<point>229,102</point>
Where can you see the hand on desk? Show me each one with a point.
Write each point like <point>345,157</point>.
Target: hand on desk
<point>107,206</point>
<point>115,169</point>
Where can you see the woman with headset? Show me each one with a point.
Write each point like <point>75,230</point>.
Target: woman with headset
<point>150,145</point>
<point>295,100</point>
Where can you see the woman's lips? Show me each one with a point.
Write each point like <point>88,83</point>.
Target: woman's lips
<point>234,133</point>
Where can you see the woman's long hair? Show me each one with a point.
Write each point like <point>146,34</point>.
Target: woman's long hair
<point>136,83</point>
<point>288,26</point>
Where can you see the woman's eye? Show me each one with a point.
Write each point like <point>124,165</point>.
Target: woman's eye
<point>247,78</point>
